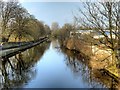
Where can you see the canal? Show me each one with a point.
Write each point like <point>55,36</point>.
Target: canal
<point>49,66</point>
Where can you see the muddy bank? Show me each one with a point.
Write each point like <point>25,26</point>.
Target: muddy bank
<point>95,74</point>
<point>99,58</point>
<point>96,56</point>
<point>76,44</point>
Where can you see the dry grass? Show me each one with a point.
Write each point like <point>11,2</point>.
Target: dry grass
<point>99,57</point>
<point>114,70</point>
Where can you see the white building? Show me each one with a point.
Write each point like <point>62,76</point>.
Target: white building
<point>80,32</point>
<point>95,34</point>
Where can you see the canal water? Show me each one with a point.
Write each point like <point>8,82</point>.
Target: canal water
<point>49,66</point>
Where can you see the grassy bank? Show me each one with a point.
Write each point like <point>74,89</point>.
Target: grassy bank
<point>99,57</point>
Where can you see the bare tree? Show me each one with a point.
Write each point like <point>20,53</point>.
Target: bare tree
<point>47,29</point>
<point>19,26</point>
<point>37,28</point>
<point>7,12</point>
<point>54,26</point>
<point>15,21</point>
<point>102,17</point>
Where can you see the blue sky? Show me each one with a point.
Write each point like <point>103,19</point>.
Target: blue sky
<point>49,12</point>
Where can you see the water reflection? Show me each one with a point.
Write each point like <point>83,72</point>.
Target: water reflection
<point>79,65</point>
<point>17,70</point>
<point>62,68</point>
<point>48,65</point>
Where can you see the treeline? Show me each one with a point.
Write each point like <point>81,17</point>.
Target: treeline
<point>63,32</point>
<point>101,17</point>
<point>17,24</point>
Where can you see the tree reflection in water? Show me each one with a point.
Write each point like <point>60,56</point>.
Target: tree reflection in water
<point>20,69</point>
<point>79,64</point>
<point>17,70</point>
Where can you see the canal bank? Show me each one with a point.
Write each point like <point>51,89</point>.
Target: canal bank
<point>99,57</point>
<point>49,66</point>
<point>59,68</point>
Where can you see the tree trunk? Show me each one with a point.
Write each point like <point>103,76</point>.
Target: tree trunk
<point>119,36</point>
<point>114,59</point>
<point>9,35</point>
<point>4,72</point>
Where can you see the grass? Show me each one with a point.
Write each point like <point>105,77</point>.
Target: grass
<point>114,70</point>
